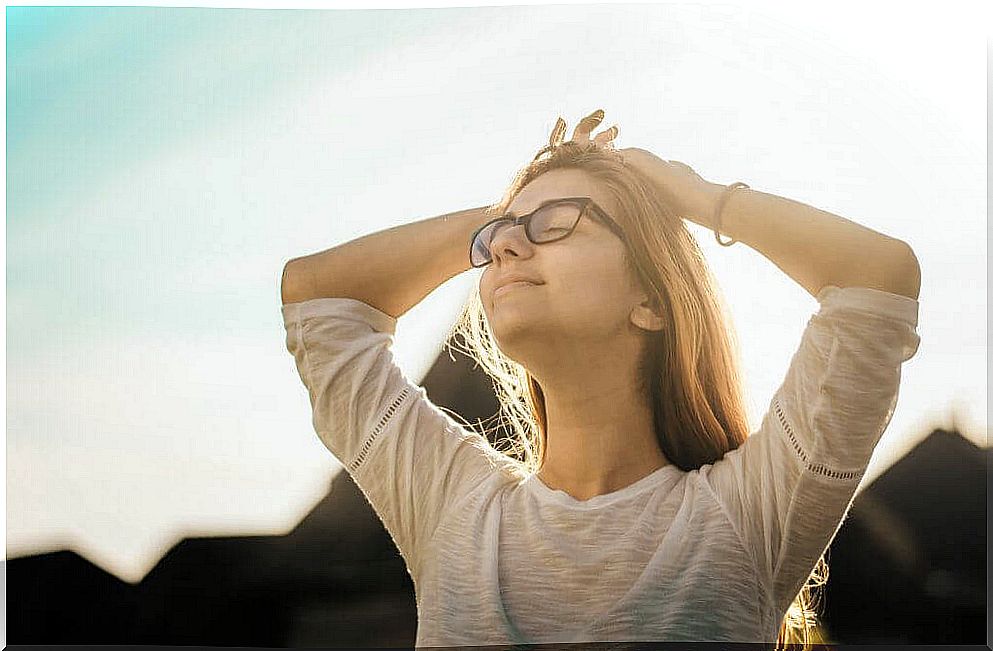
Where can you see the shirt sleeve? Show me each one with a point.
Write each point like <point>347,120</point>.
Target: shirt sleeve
<point>410,459</point>
<point>788,487</point>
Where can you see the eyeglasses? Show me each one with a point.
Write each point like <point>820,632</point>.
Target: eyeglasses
<point>551,221</point>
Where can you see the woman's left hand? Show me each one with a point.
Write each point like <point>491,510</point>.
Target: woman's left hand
<point>690,195</point>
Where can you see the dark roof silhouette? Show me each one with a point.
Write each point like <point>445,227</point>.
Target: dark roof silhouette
<point>909,564</point>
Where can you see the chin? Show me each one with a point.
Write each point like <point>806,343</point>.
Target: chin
<point>516,340</point>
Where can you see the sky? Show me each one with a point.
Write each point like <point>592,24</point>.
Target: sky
<point>164,163</point>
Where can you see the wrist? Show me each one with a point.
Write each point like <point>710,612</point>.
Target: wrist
<point>720,218</point>
<point>708,203</point>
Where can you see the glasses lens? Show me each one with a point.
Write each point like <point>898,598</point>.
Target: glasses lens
<point>481,245</point>
<point>555,221</point>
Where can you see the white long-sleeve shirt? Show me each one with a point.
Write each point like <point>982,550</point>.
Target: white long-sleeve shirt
<point>718,553</point>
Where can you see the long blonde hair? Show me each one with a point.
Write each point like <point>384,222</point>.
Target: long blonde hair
<point>691,367</point>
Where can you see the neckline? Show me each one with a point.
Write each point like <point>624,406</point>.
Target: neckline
<point>541,490</point>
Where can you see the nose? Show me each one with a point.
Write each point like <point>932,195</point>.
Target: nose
<point>511,241</point>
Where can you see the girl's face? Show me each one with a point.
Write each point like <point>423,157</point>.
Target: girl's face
<point>583,294</point>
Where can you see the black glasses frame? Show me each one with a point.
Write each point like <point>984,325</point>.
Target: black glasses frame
<point>583,202</point>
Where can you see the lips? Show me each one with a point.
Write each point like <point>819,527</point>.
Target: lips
<point>514,281</point>
<point>509,286</point>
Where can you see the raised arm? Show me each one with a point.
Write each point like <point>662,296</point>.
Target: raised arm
<point>815,248</point>
<point>412,460</point>
<point>391,270</point>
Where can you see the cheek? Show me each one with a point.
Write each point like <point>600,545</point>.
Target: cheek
<point>600,276</point>
<point>598,292</point>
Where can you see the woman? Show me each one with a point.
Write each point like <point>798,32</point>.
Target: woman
<point>633,503</point>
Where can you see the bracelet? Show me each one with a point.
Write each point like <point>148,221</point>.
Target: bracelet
<point>720,207</point>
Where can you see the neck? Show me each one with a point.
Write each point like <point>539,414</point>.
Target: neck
<point>600,436</point>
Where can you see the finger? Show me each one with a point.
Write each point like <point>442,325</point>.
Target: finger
<point>586,125</point>
<point>558,132</point>
<point>590,122</point>
<point>603,138</point>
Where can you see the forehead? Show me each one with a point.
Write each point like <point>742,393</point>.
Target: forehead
<point>555,184</point>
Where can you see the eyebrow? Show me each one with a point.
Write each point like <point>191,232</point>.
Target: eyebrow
<point>511,213</point>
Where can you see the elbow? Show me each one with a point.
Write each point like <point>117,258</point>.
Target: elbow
<point>289,283</point>
<point>905,278</point>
